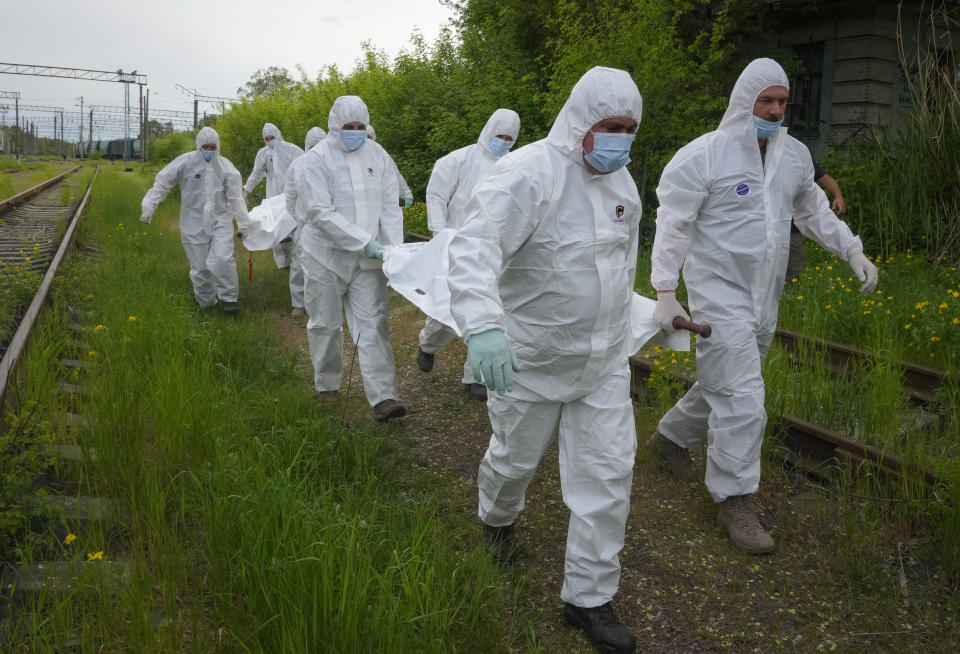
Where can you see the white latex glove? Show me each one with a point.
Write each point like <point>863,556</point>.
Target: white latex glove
<point>146,218</point>
<point>666,310</point>
<point>865,271</point>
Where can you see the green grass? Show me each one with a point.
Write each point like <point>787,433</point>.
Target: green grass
<point>259,522</point>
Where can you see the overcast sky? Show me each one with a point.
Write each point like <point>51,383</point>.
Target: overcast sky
<point>212,46</point>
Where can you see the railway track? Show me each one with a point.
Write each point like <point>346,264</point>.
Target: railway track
<point>813,448</point>
<point>32,224</point>
<point>42,221</point>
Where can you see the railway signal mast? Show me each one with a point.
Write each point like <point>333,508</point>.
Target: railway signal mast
<point>88,74</point>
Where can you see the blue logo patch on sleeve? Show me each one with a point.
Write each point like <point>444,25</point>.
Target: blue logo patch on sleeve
<point>743,189</point>
<point>198,176</point>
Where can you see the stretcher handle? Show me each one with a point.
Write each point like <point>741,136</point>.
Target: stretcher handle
<point>704,331</point>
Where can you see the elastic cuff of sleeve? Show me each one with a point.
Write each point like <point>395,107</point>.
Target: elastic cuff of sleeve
<point>851,252</point>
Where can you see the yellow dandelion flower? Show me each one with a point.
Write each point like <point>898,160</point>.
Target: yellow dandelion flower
<point>656,362</point>
<point>69,539</point>
<point>132,318</point>
<point>95,556</point>
<point>908,325</point>
<point>934,339</point>
<point>956,321</point>
<point>829,267</point>
<point>828,306</point>
<point>28,258</point>
<point>687,359</point>
<point>91,353</point>
<point>799,297</point>
<point>98,328</point>
<point>943,305</point>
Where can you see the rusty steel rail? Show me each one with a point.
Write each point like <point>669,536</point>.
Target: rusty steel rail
<point>920,382</point>
<point>22,196</point>
<point>18,343</point>
<point>813,446</point>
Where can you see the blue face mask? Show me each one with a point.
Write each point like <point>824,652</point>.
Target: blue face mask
<point>766,129</point>
<point>271,144</point>
<point>499,147</point>
<point>353,138</point>
<point>208,155</point>
<point>610,151</point>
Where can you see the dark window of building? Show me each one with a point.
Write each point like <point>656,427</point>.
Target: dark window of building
<point>803,105</point>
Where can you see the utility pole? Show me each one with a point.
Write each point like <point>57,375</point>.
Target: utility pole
<point>90,141</point>
<point>141,122</point>
<point>16,135</point>
<point>195,116</point>
<point>80,136</point>
<point>146,124</point>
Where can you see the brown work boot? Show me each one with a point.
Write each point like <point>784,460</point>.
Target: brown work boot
<point>740,519</point>
<point>671,457</point>
<point>229,308</point>
<point>327,397</point>
<point>388,410</point>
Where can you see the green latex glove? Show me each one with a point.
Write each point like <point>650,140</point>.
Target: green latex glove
<point>492,360</point>
<point>373,249</point>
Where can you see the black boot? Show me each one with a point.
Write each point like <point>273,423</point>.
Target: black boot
<point>500,542</point>
<point>602,626</point>
<point>424,360</point>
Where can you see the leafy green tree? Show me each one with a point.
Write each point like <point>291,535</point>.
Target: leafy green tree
<point>267,81</point>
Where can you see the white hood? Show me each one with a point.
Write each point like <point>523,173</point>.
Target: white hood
<point>345,109</point>
<point>372,133</point>
<point>314,136</point>
<point>208,135</point>
<point>759,74</point>
<point>269,129</point>
<point>501,121</point>
<point>601,93</point>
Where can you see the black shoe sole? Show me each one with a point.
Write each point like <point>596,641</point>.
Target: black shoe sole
<point>396,412</point>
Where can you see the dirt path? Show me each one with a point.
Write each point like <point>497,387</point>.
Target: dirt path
<point>683,588</point>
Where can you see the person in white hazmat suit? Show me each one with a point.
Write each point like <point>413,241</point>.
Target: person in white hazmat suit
<point>296,209</point>
<point>350,195</point>
<point>405,193</point>
<point>451,184</point>
<point>541,280</point>
<point>210,198</point>
<point>726,200</point>
<point>272,162</point>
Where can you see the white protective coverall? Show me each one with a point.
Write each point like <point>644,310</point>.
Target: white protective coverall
<point>725,216</point>
<point>451,184</point>
<point>296,209</point>
<point>272,163</point>
<point>350,198</point>
<point>405,192</point>
<point>210,198</point>
<point>548,253</point>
